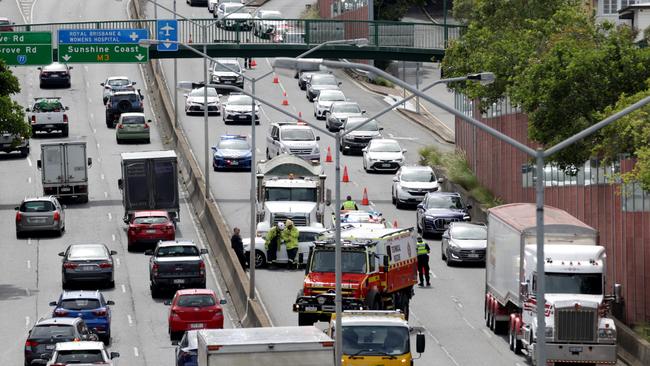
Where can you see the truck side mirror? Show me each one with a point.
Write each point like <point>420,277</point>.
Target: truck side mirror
<point>317,138</point>
<point>523,288</point>
<point>120,183</point>
<point>148,252</point>
<point>27,110</point>
<point>133,83</point>
<point>167,302</point>
<point>386,264</point>
<point>101,84</point>
<point>90,161</point>
<point>419,343</point>
<point>39,164</point>
<point>618,288</point>
<point>203,251</point>
<point>441,180</point>
<point>114,355</point>
<point>53,303</point>
<point>328,196</point>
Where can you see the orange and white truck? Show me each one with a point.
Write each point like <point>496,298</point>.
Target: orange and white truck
<point>379,268</point>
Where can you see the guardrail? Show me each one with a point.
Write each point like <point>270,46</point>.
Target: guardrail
<point>385,34</point>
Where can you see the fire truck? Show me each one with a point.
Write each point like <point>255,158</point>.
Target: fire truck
<point>379,268</point>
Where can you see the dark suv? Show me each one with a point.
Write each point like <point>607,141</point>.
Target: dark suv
<point>46,333</point>
<point>123,102</point>
<point>438,209</point>
<point>11,142</point>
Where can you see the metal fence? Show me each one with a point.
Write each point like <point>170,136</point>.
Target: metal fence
<point>282,31</point>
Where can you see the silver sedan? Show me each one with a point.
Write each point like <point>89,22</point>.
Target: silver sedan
<point>87,263</point>
<point>40,214</point>
<point>464,242</point>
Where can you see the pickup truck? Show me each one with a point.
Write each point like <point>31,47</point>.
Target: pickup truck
<point>175,264</point>
<point>48,114</point>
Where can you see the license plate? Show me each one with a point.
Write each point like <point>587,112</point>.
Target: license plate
<point>311,308</point>
<point>37,220</point>
<point>179,281</point>
<point>234,163</point>
<point>87,268</point>
<point>242,116</point>
<point>196,325</point>
<point>575,349</point>
<point>385,165</point>
<point>151,231</point>
<point>50,346</point>
<point>65,189</point>
<point>49,126</point>
<point>472,256</point>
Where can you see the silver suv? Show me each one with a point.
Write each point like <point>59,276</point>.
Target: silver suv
<point>227,71</point>
<point>40,214</point>
<point>292,138</point>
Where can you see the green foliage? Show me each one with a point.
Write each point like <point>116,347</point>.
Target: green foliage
<point>311,12</point>
<point>456,168</point>
<point>381,81</point>
<point>393,9</point>
<point>12,117</point>
<point>628,135</point>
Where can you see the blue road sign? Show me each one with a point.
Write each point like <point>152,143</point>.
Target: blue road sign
<point>167,30</point>
<point>101,36</point>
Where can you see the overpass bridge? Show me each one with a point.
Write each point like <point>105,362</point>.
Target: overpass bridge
<point>387,40</point>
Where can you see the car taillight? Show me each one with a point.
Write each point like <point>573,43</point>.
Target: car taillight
<point>29,344</point>
<point>19,216</point>
<point>202,268</point>
<point>57,216</point>
<point>65,118</point>
<point>146,126</point>
<point>33,119</point>
<point>155,268</point>
<point>100,312</point>
<point>60,312</point>
<point>120,126</point>
<point>173,313</point>
<point>69,265</point>
<point>106,265</point>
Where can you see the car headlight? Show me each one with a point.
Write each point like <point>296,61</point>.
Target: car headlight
<point>467,218</point>
<point>215,78</point>
<point>316,150</point>
<point>453,246</point>
<point>548,332</point>
<point>240,79</point>
<point>607,334</point>
<point>430,217</point>
<point>348,138</point>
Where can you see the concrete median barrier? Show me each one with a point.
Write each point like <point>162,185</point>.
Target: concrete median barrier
<point>217,232</point>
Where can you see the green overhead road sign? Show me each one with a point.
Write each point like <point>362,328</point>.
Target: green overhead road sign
<point>26,48</point>
<point>102,46</point>
<point>102,53</point>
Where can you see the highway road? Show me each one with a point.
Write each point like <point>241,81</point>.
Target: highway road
<point>451,310</point>
<point>31,269</point>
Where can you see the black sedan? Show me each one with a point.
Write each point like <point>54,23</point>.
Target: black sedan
<point>55,74</point>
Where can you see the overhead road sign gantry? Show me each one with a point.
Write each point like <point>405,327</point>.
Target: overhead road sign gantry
<point>26,48</point>
<point>167,34</point>
<point>102,46</point>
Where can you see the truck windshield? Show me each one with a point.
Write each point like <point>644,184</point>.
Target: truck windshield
<point>291,194</point>
<point>353,262</point>
<point>375,340</point>
<point>574,283</point>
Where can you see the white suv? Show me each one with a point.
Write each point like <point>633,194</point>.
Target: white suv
<point>227,71</point>
<point>85,352</point>
<point>292,138</point>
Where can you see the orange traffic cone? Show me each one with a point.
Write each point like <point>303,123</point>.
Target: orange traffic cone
<point>189,40</point>
<point>253,63</point>
<point>285,101</point>
<point>395,223</point>
<point>275,79</point>
<point>328,158</point>
<point>300,117</point>
<point>364,200</point>
<point>346,178</point>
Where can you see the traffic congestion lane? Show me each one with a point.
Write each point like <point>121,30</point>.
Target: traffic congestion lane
<point>34,272</point>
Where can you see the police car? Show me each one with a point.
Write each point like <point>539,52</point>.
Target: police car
<point>232,152</point>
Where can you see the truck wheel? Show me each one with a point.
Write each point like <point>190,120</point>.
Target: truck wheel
<point>109,121</point>
<point>24,152</point>
<point>306,319</point>
<point>65,131</point>
<point>155,291</point>
<point>83,199</point>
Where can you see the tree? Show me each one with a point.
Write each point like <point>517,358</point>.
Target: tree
<point>393,9</point>
<point>12,118</point>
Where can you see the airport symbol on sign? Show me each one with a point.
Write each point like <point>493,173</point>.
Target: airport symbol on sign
<point>167,34</point>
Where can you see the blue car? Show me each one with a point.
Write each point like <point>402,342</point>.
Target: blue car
<point>89,306</point>
<point>232,152</point>
<point>186,350</point>
<point>438,209</point>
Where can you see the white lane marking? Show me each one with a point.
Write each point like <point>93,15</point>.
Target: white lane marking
<point>87,84</point>
<point>86,67</point>
<point>113,237</point>
<point>435,339</point>
<point>468,323</point>
<point>128,317</point>
<point>390,135</point>
<point>27,292</point>
<point>457,302</point>
<point>102,176</point>
<point>26,322</point>
<point>110,217</point>
<point>98,145</point>
<point>135,352</point>
<point>123,288</point>
<point>117,261</point>
<point>444,349</point>
<point>22,15</point>
<point>29,161</point>
<point>92,116</point>
<point>94,129</point>
<point>29,179</point>
<point>487,334</point>
<point>433,275</point>
<point>258,150</point>
<point>29,264</point>
<point>105,194</point>
<point>29,241</point>
<point>90,100</point>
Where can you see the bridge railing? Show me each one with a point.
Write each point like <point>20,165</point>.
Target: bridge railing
<point>283,31</point>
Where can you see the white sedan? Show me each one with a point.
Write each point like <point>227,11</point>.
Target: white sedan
<point>324,101</point>
<point>195,99</point>
<point>306,237</point>
<point>384,155</point>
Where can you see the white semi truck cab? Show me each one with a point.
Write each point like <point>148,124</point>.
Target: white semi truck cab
<point>577,326</point>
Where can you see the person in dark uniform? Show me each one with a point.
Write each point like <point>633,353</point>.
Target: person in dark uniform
<point>238,246</point>
<point>423,251</point>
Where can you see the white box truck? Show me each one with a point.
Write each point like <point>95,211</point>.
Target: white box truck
<point>577,328</point>
<point>276,346</point>
<point>64,169</point>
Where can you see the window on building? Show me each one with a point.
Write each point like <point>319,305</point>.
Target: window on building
<point>592,172</point>
<point>634,198</point>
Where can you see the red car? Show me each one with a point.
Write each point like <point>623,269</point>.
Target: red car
<point>6,25</point>
<point>194,309</point>
<point>150,227</point>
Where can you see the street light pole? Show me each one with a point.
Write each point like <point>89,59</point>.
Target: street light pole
<point>338,299</point>
<point>175,80</point>
<point>253,199</point>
